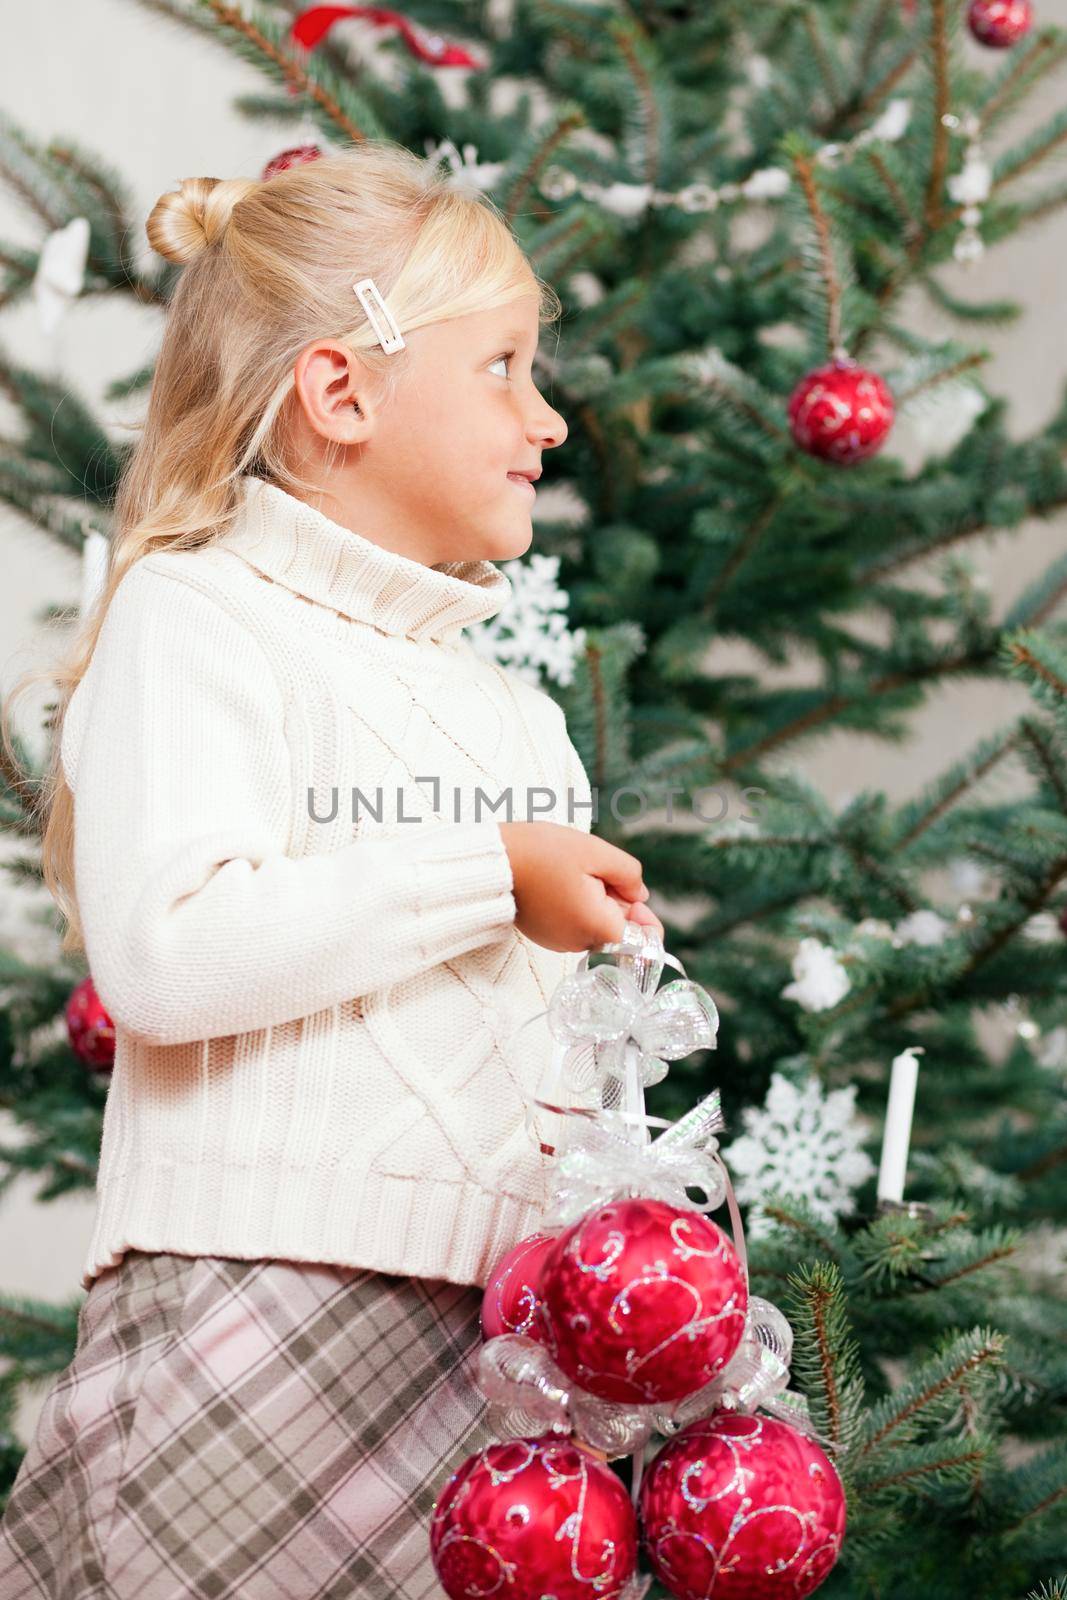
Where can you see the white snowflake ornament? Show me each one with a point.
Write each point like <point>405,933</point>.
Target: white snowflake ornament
<point>767,183</point>
<point>891,125</point>
<point>972,184</point>
<point>922,927</point>
<point>466,172</point>
<point>586,288</point>
<point>529,635</point>
<point>1052,1051</point>
<point>873,928</point>
<point>803,1143</point>
<point>820,980</point>
<point>1043,928</point>
<point>969,880</point>
<point>621,199</point>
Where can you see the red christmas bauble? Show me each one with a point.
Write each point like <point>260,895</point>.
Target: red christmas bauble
<point>643,1301</point>
<point>1000,23</point>
<point>530,1518</point>
<point>291,158</point>
<point>841,412</point>
<point>741,1508</point>
<point>511,1303</point>
<point>89,1028</point>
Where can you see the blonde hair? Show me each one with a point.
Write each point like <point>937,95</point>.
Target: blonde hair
<point>269,268</point>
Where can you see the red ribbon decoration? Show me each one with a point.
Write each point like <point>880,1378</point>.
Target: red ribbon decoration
<point>313,25</point>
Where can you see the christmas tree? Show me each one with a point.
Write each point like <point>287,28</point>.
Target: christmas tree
<point>732,202</point>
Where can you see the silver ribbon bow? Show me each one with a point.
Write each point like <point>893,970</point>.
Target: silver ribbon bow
<point>756,1378</point>
<point>530,1392</point>
<point>598,1159</point>
<point>600,1012</point>
<point>611,1023</point>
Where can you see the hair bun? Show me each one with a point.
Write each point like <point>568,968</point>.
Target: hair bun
<point>186,220</point>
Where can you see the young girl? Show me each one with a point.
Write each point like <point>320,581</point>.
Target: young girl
<point>314,940</point>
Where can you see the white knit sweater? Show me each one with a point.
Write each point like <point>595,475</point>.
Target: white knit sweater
<point>313,1013</point>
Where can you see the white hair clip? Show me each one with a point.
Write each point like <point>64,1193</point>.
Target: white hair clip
<point>389,334</point>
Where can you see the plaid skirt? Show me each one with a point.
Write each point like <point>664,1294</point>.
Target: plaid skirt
<point>268,1429</point>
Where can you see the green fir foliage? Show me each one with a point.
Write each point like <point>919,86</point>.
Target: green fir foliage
<point>930,1347</point>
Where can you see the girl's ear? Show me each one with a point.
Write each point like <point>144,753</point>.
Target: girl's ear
<point>333,392</point>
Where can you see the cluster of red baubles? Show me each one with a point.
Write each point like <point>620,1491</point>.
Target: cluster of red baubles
<point>638,1301</point>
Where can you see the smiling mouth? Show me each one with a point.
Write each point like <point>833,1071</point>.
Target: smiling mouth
<point>523,483</point>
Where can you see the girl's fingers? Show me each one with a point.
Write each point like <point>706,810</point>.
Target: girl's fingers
<point>635,910</point>
<point>640,913</point>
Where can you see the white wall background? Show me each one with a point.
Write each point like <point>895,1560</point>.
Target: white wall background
<point>155,102</point>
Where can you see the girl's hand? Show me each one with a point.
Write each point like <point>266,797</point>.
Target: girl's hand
<point>638,911</point>
<point>572,889</point>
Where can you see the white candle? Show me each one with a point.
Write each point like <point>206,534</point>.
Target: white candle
<point>95,551</point>
<point>897,1135</point>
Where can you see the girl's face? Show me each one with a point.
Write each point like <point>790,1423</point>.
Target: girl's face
<point>426,473</point>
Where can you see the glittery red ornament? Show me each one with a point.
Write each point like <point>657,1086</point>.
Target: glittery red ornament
<point>511,1303</point>
<point>530,1518</point>
<point>643,1301</point>
<point>1000,23</point>
<point>291,158</point>
<point>89,1028</point>
<point>741,1508</point>
<point>841,412</point>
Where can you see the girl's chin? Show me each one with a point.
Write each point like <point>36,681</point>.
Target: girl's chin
<point>509,543</point>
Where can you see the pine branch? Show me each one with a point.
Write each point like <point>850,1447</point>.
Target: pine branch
<point>1039,742</point>
<point>804,170</point>
<point>909,222</point>
<point>25,791</point>
<point>835,704</point>
<point>745,546</point>
<point>942,1459</point>
<point>825,1354</point>
<point>989,1259</point>
<point>548,143</point>
<point>776,1212</point>
<point>961,778</point>
<point>993,943</point>
<point>820,49</point>
<point>878,24</point>
<point>286,66</point>
<point>965,528</point>
<point>1031,60</point>
<point>1014,163</point>
<point>625,35</point>
<point>884,88</point>
<point>962,1360</point>
<point>1037,1487</point>
<point>942,105</point>
<point>963,364</point>
<point>1023,656</point>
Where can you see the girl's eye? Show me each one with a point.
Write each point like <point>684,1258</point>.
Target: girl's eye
<point>508,355</point>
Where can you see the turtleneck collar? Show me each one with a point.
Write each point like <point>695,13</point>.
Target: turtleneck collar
<point>299,547</point>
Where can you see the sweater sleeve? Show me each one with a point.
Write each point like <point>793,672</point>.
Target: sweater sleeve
<point>196,922</point>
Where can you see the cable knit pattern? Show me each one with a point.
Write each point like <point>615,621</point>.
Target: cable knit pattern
<point>302,927</point>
